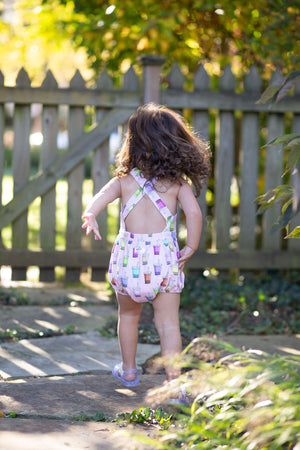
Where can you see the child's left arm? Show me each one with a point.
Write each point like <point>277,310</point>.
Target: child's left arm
<point>193,216</point>
<point>110,192</point>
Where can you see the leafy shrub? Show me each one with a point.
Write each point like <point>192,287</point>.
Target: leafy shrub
<point>248,400</point>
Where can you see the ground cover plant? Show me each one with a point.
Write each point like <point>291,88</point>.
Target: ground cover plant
<point>267,303</point>
<point>247,401</point>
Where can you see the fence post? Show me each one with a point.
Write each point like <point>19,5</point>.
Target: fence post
<point>151,77</point>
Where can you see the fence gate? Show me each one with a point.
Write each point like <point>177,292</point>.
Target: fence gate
<point>237,127</point>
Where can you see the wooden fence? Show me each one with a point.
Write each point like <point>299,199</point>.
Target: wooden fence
<point>237,127</point>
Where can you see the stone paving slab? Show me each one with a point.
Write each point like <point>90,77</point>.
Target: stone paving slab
<point>37,434</point>
<point>273,344</point>
<point>71,396</point>
<point>55,318</point>
<point>69,354</point>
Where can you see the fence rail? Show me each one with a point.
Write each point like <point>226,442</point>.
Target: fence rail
<point>236,125</point>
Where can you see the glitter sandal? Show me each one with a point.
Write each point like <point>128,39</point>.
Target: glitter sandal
<point>120,374</point>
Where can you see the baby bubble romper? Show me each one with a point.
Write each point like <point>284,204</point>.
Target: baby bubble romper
<point>143,265</point>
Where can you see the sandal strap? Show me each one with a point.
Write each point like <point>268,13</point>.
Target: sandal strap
<point>127,372</point>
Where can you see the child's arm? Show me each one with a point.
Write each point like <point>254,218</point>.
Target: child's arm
<point>106,195</point>
<point>193,216</point>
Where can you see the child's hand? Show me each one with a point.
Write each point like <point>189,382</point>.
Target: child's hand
<point>185,254</point>
<point>90,223</point>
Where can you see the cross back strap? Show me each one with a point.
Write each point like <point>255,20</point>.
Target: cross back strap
<point>145,188</point>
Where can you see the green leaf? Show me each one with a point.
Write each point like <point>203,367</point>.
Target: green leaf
<point>284,139</point>
<point>285,218</point>
<point>294,157</point>
<point>295,233</point>
<point>274,196</point>
<point>291,80</point>
<point>271,90</point>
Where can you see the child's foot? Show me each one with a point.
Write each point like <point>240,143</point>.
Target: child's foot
<point>127,377</point>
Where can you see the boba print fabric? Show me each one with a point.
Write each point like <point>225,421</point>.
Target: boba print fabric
<point>142,265</point>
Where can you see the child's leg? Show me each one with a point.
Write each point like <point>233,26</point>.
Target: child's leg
<point>129,315</point>
<point>166,319</point>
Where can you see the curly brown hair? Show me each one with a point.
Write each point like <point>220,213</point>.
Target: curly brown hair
<point>160,144</point>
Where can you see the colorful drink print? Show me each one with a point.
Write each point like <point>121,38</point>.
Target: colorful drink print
<point>169,287</point>
<point>145,259</point>
<point>135,271</point>
<point>123,242</point>
<point>125,261</point>
<point>147,276</point>
<point>131,235</point>
<point>134,253</point>
<point>172,225</point>
<point>166,242</point>
<point>110,268</point>
<point>156,249</point>
<point>160,203</point>
<point>178,255</point>
<point>175,269</point>
<point>171,246</point>
<point>124,281</point>
<point>157,269</point>
<point>137,291</point>
<point>150,297</point>
<point>138,191</point>
<point>113,249</point>
<point>118,269</point>
<point>168,258</point>
<point>149,188</point>
<point>113,282</point>
<point>164,282</point>
<point>148,242</point>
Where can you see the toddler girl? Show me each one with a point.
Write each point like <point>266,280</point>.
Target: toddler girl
<point>158,160</point>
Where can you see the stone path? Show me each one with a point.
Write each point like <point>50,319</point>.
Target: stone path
<point>50,382</point>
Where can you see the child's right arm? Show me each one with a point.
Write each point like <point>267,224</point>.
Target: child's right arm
<point>110,192</point>
<point>193,217</point>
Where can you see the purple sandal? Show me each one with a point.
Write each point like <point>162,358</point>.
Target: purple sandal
<point>120,374</point>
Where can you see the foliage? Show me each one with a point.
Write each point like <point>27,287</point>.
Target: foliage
<point>188,31</point>
<point>266,304</point>
<point>98,417</point>
<point>32,36</point>
<point>287,196</point>
<point>147,416</point>
<point>248,400</point>
<point>61,33</point>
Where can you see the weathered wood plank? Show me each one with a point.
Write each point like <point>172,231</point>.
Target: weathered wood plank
<point>200,122</point>
<point>21,170</point>
<point>176,99</point>
<point>294,244</point>
<point>224,167</point>
<point>2,126</point>
<point>75,180</point>
<point>100,176</point>
<point>45,180</point>
<point>173,98</point>
<point>245,260</point>
<point>71,97</point>
<point>273,172</point>
<point>249,167</point>
<point>48,200</point>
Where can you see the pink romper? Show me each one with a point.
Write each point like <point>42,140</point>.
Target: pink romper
<point>143,265</point>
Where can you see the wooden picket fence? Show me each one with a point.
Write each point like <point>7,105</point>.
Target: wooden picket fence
<point>234,123</point>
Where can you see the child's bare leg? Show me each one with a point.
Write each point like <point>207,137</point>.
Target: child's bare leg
<point>166,319</point>
<point>129,315</point>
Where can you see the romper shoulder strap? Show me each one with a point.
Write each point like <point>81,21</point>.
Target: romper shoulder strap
<point>147,188</point>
